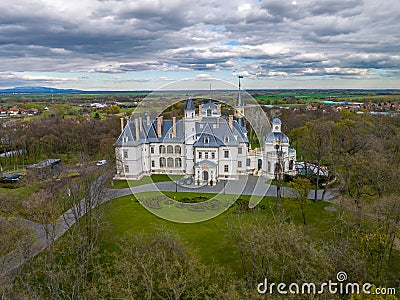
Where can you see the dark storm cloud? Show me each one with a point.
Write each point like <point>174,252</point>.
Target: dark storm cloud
<point>270,38</point>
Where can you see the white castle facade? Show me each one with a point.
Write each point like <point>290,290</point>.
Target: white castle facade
<point>203,145</point>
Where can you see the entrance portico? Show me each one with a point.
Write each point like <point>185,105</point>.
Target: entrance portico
<point>205,172</point>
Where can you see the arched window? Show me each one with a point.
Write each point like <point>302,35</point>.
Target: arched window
<point>162,149</point>
<point>178,163</point>
<point>177,149</point>
<point>170,162</point>
<point>170,149</point>
<point>291,164</point>
<point>162,162</point>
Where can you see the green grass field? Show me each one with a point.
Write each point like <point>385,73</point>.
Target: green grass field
<point>126,215</point>
<point>121,184</point>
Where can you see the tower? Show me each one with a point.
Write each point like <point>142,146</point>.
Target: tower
<point>190,135</point>
<point>276,125</point>
<point>239,112</point>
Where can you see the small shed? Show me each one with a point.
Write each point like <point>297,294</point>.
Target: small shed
<point>45,169</point>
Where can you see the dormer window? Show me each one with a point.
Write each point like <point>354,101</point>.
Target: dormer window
<point>206,140</point>
<point>209,112</point>
<point>170,135</point>
<point>125,139</point>
<point>226,139</point>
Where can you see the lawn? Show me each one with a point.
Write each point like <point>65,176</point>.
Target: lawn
<point>127,215</point>
<point>121,184</point>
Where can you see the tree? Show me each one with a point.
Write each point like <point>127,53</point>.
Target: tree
<point>258,124</point>
<point>319,145</point>
<point>278,250</point>
<point>302,187</point>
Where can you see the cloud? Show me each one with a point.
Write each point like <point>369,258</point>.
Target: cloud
<point>269,38</point>
<point>29,77</point>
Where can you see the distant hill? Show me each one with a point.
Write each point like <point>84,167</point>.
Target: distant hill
<point>37,90</point>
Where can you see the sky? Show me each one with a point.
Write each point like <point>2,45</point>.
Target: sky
<point>145,45</point>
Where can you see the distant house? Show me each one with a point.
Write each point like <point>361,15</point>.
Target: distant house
<point>98,105</point>
<point>13,111</point>
<point>33,111</point>
<point>45,169</point>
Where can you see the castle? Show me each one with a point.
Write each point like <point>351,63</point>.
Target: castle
<point>204,146</point>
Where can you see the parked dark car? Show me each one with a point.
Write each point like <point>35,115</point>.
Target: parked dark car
<point>11,178</point>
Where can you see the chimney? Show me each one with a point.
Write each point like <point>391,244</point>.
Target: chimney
<point>137,129</point>
<point>148,120</point>
<point>218,109</point>
<point>140,124</point>
<point>174,127</point>
<point>159,124</point>
<point>122,124</point>
<point>231,122</point>
<point>200,109</point>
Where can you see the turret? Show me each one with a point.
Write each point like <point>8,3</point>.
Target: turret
<point>190,110</point>
<point>276,125</point>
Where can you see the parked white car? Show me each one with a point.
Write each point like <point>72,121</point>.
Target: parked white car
<point>101,162</point>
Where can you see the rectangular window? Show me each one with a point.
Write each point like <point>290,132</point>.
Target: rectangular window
<point>226,154</point>
<point>239,164</point>
<point>152,150</point>
<point>213,155</point>
<point>125,153</point>
<point>226,168</point>
<point>126,167</point>
<point>153,164</point>
<point>248,162</point>
<point>206,155</point>
<point>240,150</point>
<point>200,154</point>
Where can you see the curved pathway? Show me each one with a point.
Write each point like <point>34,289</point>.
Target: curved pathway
<point>251,186</point>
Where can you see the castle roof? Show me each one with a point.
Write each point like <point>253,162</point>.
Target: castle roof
<point>276,121</point>
<point>189,105</point>
<point>217,131</point>
<point>274,137</point>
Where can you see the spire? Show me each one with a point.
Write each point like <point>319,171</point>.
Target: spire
<point>189,104</point>
<point>239,113</point>
<point>239,100</point>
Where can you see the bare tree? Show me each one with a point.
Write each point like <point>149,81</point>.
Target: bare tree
<point>302,187</point>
